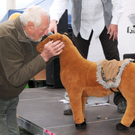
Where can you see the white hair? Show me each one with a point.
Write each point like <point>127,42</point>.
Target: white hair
<point>33,14</point>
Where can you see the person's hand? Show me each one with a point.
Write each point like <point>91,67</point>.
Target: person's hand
<point>52,49</point>
<point>53,26</point>
<point>113,31</point>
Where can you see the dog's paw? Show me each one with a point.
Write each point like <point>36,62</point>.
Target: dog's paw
<point>120,126</point>
<point>81,126</point>
<point>133,124</point>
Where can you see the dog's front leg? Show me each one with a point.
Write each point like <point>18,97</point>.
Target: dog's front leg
<point>76,105</point>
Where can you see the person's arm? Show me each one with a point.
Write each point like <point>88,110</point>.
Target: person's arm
<point>117,10</point>
<point>17,70</point>
<point>56,11</point>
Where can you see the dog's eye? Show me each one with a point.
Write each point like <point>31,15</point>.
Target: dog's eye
<point>51,39</point>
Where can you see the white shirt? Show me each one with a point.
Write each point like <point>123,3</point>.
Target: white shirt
<point>90,18</point>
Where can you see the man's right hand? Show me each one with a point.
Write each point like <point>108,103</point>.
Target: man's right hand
<point>52,49</point>
<point>53,26</point>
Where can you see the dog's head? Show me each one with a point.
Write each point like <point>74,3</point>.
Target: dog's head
<point>62,37</point>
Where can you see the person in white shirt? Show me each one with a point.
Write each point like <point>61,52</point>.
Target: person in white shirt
<point>99,18</point>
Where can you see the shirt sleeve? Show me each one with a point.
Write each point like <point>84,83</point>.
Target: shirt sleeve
<point>117,10</point>
<point>57,9</point>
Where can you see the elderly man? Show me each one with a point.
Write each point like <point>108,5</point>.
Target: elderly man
<point>20,61</point>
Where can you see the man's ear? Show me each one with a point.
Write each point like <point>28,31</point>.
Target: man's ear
<point>30,26</point>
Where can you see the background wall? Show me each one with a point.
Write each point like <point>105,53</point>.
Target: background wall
<point>19,4</point>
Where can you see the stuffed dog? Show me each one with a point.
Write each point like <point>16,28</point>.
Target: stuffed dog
<point>79,77</point>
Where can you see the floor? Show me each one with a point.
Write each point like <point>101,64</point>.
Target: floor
<point>41,113</point>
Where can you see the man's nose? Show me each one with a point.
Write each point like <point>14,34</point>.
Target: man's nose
<point>46,32</point>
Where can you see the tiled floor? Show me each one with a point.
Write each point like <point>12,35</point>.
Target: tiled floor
<point>41,106</point>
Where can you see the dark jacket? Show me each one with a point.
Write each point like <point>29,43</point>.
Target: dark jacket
<point>19,59</point>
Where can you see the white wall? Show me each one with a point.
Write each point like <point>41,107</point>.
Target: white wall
<point>18,5</point>
<point>11,4</point>
<point>2,8</point>
<point>126,40</point>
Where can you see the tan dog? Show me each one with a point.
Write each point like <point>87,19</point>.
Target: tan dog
<point>78,76</point>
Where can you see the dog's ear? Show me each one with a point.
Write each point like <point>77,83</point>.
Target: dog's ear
<point>46,39</point>
<point>66,33</point>
<point>41,44</point>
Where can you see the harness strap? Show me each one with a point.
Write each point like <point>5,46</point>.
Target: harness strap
<point>115,91</point>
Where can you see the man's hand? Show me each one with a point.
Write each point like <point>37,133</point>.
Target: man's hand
<point>52,49</point>
<point>113,31</point>
<point>53,26</point>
